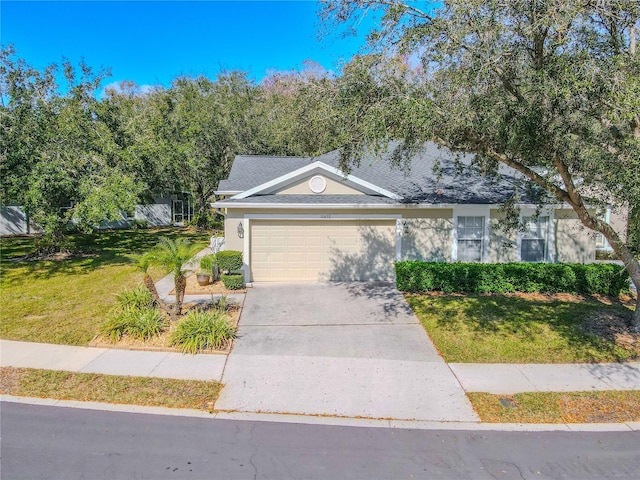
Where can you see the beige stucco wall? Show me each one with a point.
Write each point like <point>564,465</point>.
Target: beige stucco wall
<point>502,246</point>
<point>231,239</point>
<point>573,243</point>
<point>619,219</point>
<point>428,233</point>
<point>334,187</point>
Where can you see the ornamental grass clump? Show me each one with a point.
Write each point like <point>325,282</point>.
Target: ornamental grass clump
<point>134,314</point>
<point>138,297</point>
<point>203,330</point>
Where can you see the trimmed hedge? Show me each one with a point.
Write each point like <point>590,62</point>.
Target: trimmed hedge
<point>603,278</point>
<point>229,260</point>
<point>233,282</point>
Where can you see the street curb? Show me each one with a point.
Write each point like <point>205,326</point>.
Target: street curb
<point>328,421</point>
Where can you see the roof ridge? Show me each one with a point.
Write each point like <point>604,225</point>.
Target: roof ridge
<point>273,156</point>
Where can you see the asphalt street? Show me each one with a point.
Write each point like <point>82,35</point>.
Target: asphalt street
<point>67,443</point>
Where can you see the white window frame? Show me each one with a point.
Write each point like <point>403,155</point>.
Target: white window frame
<point>471,211</point>
<point>549,244</point>
<point>604,247</point>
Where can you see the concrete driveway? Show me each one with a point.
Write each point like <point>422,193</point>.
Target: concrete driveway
<point>351,349</point>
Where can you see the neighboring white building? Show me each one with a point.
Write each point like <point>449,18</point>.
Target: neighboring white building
<point>170,209</point>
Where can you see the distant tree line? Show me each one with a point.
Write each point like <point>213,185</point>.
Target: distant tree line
<point>71,150</point>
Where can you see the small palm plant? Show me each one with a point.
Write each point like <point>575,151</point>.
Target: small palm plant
<point>172,255</point>
<point>143,263</point>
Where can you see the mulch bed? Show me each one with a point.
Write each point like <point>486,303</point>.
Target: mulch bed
<point>161,343</point>
<point>615,327</point>
<point>217,288</point>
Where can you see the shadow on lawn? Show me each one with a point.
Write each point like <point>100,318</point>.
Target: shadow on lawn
<point>95,250</point>
<point>526,319</point>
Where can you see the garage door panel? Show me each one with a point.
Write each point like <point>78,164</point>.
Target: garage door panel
<point>283,250</point>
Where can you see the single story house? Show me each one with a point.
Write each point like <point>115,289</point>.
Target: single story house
<point>303,219</point>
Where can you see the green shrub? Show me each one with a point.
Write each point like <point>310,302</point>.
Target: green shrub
<point>114,326</point>
<point>233,282</point>
<point>138,297</point>
<point>134,314</point>
<point>206,263</point>
<point>229,260</point>
<point>222,304</point>
<point>202,330</point>
<point>139,224</point>
<point>145,323</point>
<point>142,323</point>
<point>416,276</point>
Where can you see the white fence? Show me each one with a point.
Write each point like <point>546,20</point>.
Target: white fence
<point>13,219</point>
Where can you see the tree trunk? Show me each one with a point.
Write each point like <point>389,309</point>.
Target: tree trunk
<point>180,287</point>
<point>151,286</point>
<point>625,254</point>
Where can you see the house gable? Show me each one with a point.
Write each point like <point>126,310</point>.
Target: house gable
<point>323,184</point>
<point>316,169</point>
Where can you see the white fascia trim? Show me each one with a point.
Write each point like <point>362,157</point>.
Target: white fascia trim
<point>323,216</point>
<point>408,206</point>
<point>227,192</point>
<point>301,172</point>
<point>306,206</point>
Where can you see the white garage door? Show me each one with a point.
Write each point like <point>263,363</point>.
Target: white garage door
<point>322,250</point>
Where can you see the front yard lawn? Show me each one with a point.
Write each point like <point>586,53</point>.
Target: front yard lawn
<point>65,300</point>
<point>521,328</point>
<point>91,387</point>
<point>558,407</point>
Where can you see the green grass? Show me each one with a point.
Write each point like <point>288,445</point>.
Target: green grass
<point>512,329</point>
<point>91,387</point>
<point>65,301</point>
<point>559,407</point>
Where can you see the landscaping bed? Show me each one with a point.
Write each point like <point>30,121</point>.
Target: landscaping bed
<point>214,288</point>
<point>91,387</point>
<point>528,328</point>
<point>558,407</point>
<point>163,340</point>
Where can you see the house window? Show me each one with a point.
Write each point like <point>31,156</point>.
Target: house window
<point>533,246</point>
<point>470,237</point>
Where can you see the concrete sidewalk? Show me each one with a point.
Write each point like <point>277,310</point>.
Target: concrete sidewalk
<point>474,377</point>
<point>492,378</point>
<point>514,378</point>
<point>111,361</point>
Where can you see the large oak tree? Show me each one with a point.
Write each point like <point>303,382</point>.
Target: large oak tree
<point>550,88</point>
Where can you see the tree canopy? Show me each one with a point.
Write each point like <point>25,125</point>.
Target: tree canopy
<point>550,88</point>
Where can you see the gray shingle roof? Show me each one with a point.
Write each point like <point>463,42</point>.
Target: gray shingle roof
<point>313,199</point>
<point>415,182</point>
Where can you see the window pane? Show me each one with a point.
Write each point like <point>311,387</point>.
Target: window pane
<point>532,250</point>
<point>470,227</point>
<point>470,250</point>
<point>535,229</point>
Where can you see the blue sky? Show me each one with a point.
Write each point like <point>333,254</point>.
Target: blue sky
<point>152,42</point>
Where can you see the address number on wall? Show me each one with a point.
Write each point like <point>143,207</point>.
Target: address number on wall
<point>325,215</point>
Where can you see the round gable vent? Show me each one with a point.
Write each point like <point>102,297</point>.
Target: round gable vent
<point>317,184</point>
